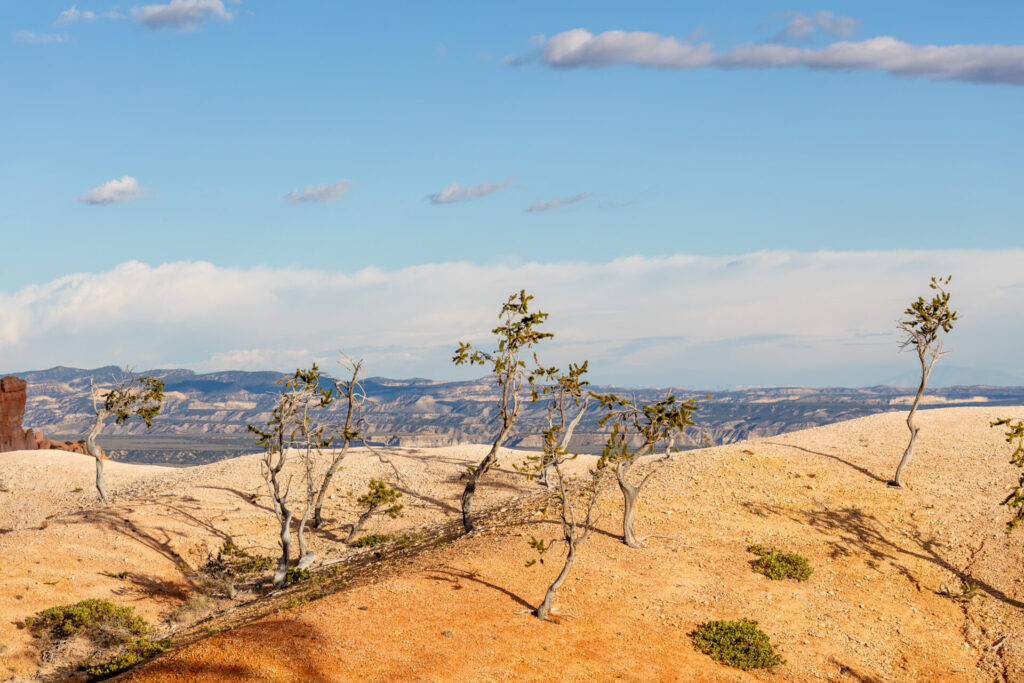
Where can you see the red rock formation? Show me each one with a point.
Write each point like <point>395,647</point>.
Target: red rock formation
<point>15,438</point>
<point>12,410</point>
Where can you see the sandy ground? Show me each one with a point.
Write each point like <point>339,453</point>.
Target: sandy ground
<point>874,609</point>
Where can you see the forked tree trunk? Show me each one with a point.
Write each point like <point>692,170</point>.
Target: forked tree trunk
<point>474,477</point>
<point>629,495</point>
<point>897,480</point>
<point>306,557</point>
<point>94,451</point>
<point>544,609</point>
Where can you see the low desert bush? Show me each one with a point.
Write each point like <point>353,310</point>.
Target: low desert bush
<point>370,541</point>
<point>776,564</point>
<point>138,650</point>
<point>192,608</point>
<point>99,620</point>
<point>740,644</point>
<point>295,575</point>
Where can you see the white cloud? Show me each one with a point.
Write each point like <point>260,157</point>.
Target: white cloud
<point>319,193</point>
<point>1002,64</point>
<point>557,203</point>
<point>458,193</point>
<point>31,38</point>
<point>123,189</point>
<point>761,318</point>
<point>73,15</point>
<point>181,15</point>
<point>801,26</point>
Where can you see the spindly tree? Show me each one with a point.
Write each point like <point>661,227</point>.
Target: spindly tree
<point>568,395</point>
<point>516,333</point>
<point>1015,437</point>
<point>130,396</point>
<point>636,430</point>
<point>351,392</point>
<point>378,497</point>
<point>925,323</point>
<point>292,425</point>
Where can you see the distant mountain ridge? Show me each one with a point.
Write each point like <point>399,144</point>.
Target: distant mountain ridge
<point>205,416</point>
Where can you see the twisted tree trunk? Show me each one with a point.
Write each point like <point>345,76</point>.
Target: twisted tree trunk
<point>95,452</point>
<point>629,496</point>
<point>926,369</point>
<point>474,477</point>
<point>544,609</point>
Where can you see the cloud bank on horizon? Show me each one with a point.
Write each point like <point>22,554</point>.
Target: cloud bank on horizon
<point>819,318</point>
<point>579,48</point>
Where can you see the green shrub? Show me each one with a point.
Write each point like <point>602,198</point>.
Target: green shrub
<point>100,620</point>
<point>295,575</point>
<point>779,565</point>
<point>233,561</point>
<point>740,644</point>
<point>370,541</point>
<point>137,651</point>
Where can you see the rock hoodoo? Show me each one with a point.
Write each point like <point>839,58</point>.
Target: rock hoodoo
<point>13,437</point>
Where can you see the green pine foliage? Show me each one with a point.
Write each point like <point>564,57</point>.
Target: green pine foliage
<point>739,644</point>
<point>137,651</point>
<point>99,620</point>
<point>1015,437</point>
<point>371,540</point>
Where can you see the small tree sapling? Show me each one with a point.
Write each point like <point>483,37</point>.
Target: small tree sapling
<point>516,333</point>
<point>922,329</point>
<point>354,396</point>
<point>379,496</point>
<point>131,396</point>
<point>646,423</point>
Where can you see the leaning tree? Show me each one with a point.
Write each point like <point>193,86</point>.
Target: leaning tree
<point>925,323</point>
<point>129,396</point>
<point>636,430</point>
<point>516,333</point>
<point>568,394</point>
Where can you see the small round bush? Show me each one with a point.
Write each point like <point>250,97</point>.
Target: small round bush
<point>779,565</point>
<point>370,541</point>
<point>740,644</point>
<point>295,575</point>
<point>100,620</point>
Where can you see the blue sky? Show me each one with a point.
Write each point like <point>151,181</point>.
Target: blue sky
<point>215,120</point>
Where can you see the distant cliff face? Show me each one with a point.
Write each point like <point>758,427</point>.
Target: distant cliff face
<point>205,417</point>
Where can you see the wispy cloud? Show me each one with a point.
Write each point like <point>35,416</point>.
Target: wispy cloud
<point>557,203</point>
<point>32,38</point>
<point>73,15</point>
<point>123,189</point>
<point>457,193</point>
<point>800,26</point>
<point>773,318</point>
<point>577,48</point>
<point>181,15</point>
<point>319,193</point>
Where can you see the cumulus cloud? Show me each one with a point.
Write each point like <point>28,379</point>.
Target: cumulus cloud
<point>31,38</point>
<point>800,26</point>
<point>557,203</point>
<point>1003,64</point>
<point>319,193</point>
<point>73,15</point>
<point>123,189</point>
<point>457,193</point>
<point>181,15</point>
<point>759,318</point>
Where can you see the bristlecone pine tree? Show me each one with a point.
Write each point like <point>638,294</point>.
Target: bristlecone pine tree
<point>568,394</point>
<point>1015,437</point>
<point>291,425</point>
<point>516,333</point>
<point>131,396</point>
<point>926,322</point>
<point>648,423</point>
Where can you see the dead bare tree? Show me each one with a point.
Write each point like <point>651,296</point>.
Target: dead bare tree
<point>650,424</point>
<point>291,425</point>
<point>567,393</point>
<point>923,328</point>
<point>130,396</point>
<point>516,333</point>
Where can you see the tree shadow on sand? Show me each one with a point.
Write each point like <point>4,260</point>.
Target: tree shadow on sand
<point>855,531</point>
<point>863,470</point>
<point>455,576</point>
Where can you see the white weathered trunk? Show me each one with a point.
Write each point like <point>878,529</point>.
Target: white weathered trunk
<point>629,495</point>
<point>94,451</point>
<point>909,452</point>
